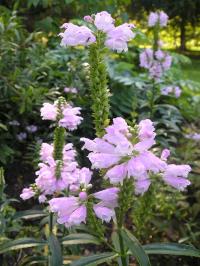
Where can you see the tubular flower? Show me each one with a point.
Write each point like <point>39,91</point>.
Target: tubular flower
<point>47,181</point>
<point>69,118</point>
<point>160,18</point>
<point>76,35</point>
<point>123,152</point>
<point>27,193</point>
<point>72,210</point>
<point>116,38</point>
<point>156,64</point>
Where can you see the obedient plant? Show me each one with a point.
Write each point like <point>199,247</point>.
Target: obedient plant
<point>157,62</point>
<point>123,154</point>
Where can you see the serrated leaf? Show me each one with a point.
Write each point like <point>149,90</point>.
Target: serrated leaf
<point>135,248</point>
<point>95,259</point>
<point>20,244</point>
<point>171,249</point>
<point>80,238</point>
<point>56,253</point>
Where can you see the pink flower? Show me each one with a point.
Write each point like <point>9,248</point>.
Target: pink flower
<point>153,19</point>
<point>69,210</point>
<point>108,196</point>
<point>159,18</point>
<point>27,193</point>
<point>48,111</point>
<point>118,37</point>
<point>177,92</point>
<point>175,176</point>
<point>121,158</point>
<point>146,129</point>
<point>163,19</point>
<point>71,117</point>
<point>88,19</point>
<point>76,35</point>
<point>142,185</point>
<point>46,151</point>
<point>42,198</point>
<point>165,154</point>
<point>103,21</point>
<point>104,213</point>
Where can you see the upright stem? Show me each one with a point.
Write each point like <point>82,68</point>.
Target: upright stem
<point>122,248</point>
<point>125,203</point>
<point>50,223</point>
<point>155,48</point>
<point>99,92</point>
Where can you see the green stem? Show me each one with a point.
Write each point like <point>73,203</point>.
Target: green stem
<point>152,101</point>
<point>122,249</point>
<point>50,223</point>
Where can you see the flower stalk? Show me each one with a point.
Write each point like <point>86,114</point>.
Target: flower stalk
<point>99,91</point>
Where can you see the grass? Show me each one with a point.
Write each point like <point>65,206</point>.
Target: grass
<point>192,71</point>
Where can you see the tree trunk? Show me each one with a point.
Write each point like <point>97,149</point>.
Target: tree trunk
<point>183,35</point>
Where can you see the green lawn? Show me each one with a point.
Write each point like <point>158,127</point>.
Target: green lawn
<point>192,71</point>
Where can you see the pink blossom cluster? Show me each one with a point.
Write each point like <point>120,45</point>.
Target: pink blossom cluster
<point>158,18</point>
<point>125,154</point>
<point>72,210</point>
<point>70,117</point>
<point>171,90</point>
<point>47,182</point>
<point>157,63</point>
<point>116,38</point>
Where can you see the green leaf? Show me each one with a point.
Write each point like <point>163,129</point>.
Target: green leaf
<point>29,214</point>
<point>34,260</point>
<point>94,259</point>
<point>171,249</point>
<point>81,238</point>
<point>20,244</point>
<point>135,248</point>
<point>56,253</point>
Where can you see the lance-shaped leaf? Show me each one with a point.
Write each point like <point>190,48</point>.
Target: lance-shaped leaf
<point>80,238</point>
<point>95,259</point>
<point>41,260</point>
<point>172,249</point>
<point>20,244</point>
<point>29,214</point>
<point>135,248</point>
<point>55,249</point>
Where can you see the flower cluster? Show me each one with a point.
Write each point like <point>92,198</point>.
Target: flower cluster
<point>158,18</point>
<point>47,180</point>
<point>156,63</point>
<point>116,38</point>
<point>72,210</point>
<point>68,116</point>
<point>171,90</point>
<point>124,152</point>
